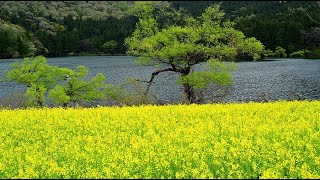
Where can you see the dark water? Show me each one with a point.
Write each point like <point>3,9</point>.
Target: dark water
<point>272,79</point>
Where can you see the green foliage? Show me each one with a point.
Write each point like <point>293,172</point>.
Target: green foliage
<point>214,71</point>
<point>268,53</point>
<point>314,53</point>
<point>76,88</point>
<point>59,96</point>
<point>15,41</point>
<point>35,94</point>
<point>300,53</point>
<point>146,26</point>
<point>37,75</point>
<point>58,28</point>
<point>143,60</point>
<point>176,43</point>
<point>252,47</point>
<point>198,40</point>
<point>35,71</point>
<point>64,85</point>
<point>288,24</point>
<point>110,46</point>
<point>280,52</point>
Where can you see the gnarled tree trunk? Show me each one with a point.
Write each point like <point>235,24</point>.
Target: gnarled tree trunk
<point>39,103</point>
<point>187,88</point>
<point>189,93</point>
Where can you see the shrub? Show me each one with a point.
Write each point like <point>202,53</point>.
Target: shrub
<point>64,84</point>
<point>280,52</point>
<point>300,53</point>
<point>268,53</point>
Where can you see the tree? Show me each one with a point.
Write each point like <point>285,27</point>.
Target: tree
<point>14,41</point>
<point>274,23</point>
<point>76,88</point>
<point>268,53</point>
<point>300,53</point>
<point>37,75</point>
<point>178,48</point>
<point>312,38</point>
<point>86,45</point>
<point>64,85</point>
<point>110,46</point>
<point>280,52</point>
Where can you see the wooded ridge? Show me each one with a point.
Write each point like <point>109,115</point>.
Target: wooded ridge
<point>59,28</point>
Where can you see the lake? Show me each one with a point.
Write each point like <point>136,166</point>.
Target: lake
<point>271,79</point>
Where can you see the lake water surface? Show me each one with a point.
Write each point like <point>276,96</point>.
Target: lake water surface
<point>273,79</point>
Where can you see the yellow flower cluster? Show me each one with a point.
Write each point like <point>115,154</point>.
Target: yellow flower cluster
<point>249,140</point>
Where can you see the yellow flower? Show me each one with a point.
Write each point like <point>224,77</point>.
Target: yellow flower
<point>199,141</point>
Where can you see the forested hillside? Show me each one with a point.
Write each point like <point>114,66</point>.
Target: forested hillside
<point>293,25</point>
<point>58,28</point>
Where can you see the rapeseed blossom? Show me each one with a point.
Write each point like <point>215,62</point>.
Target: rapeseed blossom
<point>246,140</point>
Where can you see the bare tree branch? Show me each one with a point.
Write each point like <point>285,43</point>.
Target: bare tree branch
<point>194,63</point>
<point>311,18</point>
<point>155,74</point>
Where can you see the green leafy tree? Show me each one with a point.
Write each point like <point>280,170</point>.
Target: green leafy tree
<point>178,48</point>
<point>300,53</point>
<point>110,46</point>
<point>14,41</point>
<point>37,75</point>
<point>280,52</point>
<point>76,88</point>
<point>268,53</point>
<point>60,26</point>
<point>63,84</point>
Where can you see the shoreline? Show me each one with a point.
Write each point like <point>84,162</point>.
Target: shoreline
<point>236,60</point>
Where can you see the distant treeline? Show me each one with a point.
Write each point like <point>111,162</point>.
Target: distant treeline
<point>74,27</point>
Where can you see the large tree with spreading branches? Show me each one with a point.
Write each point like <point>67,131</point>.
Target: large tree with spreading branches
<point>178,46</point>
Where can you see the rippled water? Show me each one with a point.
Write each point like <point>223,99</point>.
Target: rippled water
<point>272,79</point>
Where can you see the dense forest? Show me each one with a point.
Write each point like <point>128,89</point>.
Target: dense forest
<point>60,28</point>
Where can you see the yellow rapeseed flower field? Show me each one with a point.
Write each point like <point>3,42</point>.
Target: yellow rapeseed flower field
<point>249,140</point>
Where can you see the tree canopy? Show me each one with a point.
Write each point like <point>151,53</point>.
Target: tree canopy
<point>177,48</point>
<point>64,85</point>
<point>58,28</point>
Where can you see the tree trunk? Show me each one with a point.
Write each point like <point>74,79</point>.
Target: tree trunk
<point>38,98</point>
<point>188,91</point>
<point>39,103</point>
<point>64,105</point>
